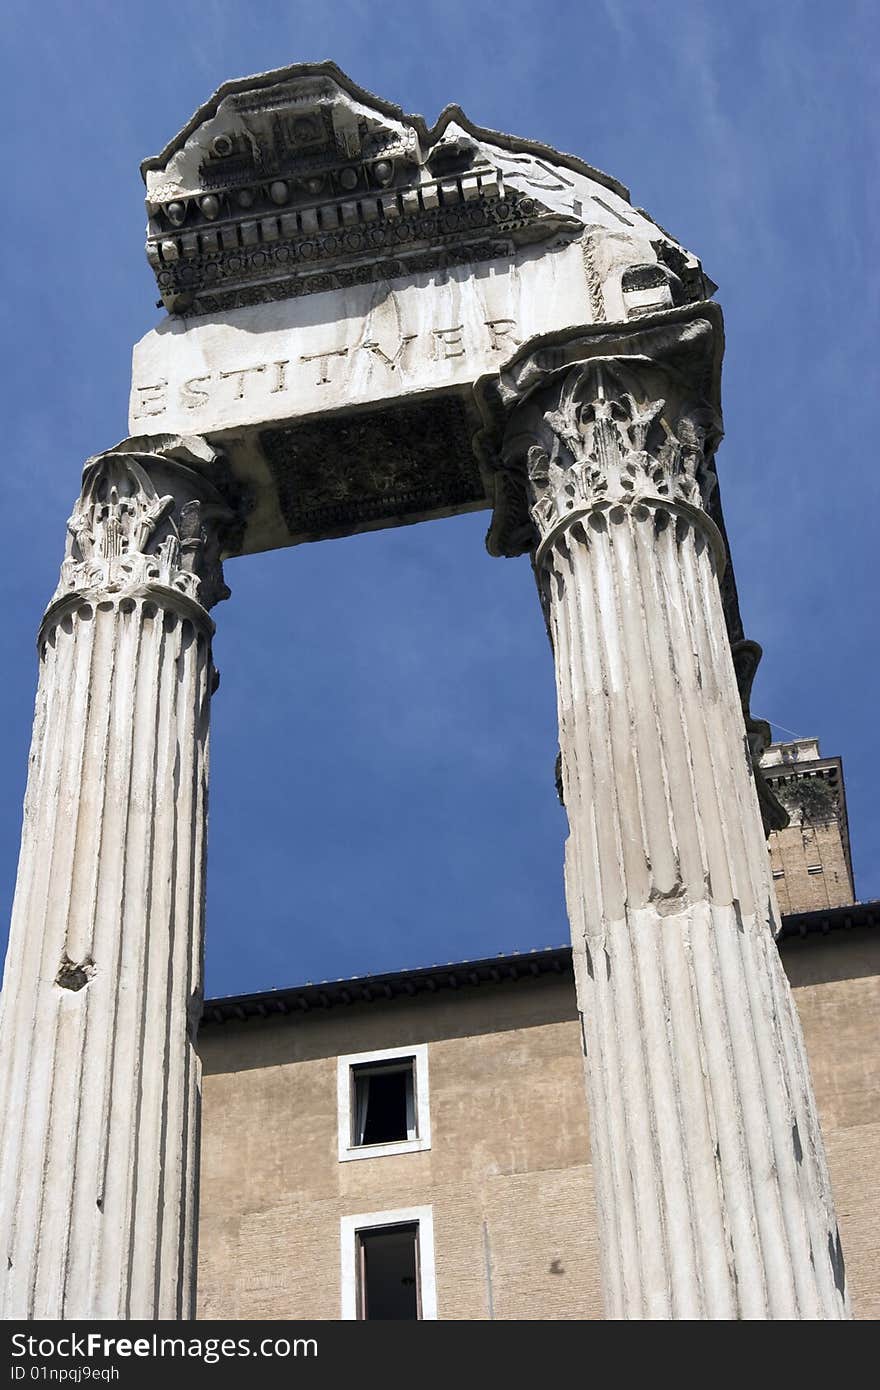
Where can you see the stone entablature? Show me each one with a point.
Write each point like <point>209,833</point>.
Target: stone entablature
<point>299,181</point>
<point>358,346</point>
<point>321,252</point>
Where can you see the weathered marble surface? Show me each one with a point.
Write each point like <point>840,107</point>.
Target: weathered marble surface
<point>365,345</point>
<point>299,180</point>
<point>100,1080</point>
<point>713,1193</point>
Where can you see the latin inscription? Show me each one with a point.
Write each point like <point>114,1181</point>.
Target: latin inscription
<point>322,368</point>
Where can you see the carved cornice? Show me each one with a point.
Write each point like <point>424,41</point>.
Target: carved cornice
<point>317,249</point>
<point>298,181</point>
<point>588,419</point>
<point>147,523</point>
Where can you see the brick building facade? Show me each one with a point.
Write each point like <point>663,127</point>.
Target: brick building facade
<point>810,858</point>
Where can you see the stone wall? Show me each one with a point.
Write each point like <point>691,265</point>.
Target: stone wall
<point>809,866</point>
<point>836,984</point>
<point>510,1152</point>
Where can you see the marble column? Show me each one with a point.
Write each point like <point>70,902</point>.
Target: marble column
<point>712,1187</point>
<point>99,1078</point>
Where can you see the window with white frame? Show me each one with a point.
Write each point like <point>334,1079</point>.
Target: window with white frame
<point>388,1265</point>
<point>382,1102</point>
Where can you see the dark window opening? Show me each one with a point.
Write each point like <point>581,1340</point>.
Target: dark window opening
<point>388,1273</point>
<point>383,1109</point>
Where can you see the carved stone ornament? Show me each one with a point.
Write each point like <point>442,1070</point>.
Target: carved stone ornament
<point>147,521</point>
<point>603,446</point>
<point>595,419</point>
<point>341,474</point>
<point>298,181</point>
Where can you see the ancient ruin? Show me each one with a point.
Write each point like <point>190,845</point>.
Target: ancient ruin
<point>370,323</point>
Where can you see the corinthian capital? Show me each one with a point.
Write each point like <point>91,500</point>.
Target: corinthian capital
<point>147,520</point>
<point>590,420</point>
<point>606,441</point>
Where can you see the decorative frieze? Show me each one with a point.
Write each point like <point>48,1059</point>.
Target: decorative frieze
<point>351,473</point>
<point>300,185</point>
<point>335,247</point>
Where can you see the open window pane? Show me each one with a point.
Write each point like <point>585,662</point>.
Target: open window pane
<point>383,1103</point>
<point>388,1273</point>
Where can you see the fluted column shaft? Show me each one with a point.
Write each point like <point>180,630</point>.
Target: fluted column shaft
<point>99,1078</point>
<point>712,1187</point>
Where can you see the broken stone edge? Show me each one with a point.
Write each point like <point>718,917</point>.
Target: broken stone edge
<point>452,113</point>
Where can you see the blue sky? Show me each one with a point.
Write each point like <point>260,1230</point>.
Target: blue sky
<point>384,734</point>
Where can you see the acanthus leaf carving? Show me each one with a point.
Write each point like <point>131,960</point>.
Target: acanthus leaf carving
<point>603,440</point>
<point>604,416</point>
<point>125,532</point>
